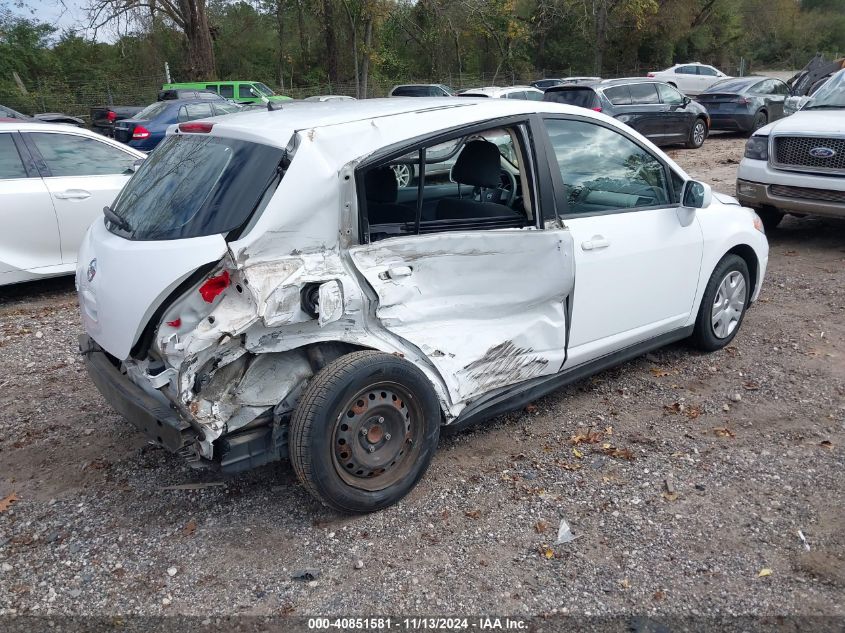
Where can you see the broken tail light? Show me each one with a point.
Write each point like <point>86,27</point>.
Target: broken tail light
<point>213,286</point>
<point>175,323</point>
<point>196,126</point>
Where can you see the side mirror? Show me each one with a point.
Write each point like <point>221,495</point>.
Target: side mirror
<point>696,195</point>
<point>686,101</point>
<point>136,165</point>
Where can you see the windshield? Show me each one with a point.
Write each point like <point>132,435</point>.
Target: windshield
<point>263,89</point>
<point>152,111</point>
<point>734,85</point>
<point>831,95</point>
<point>195,185</point>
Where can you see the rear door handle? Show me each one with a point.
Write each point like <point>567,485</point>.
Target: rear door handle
<point>73,194</point>
<point>597,242</point>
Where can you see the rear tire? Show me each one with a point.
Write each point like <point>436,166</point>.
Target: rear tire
<point>697,134</point>
<point>761,119</point>
<point>723,305</point>
<point>364,431</point>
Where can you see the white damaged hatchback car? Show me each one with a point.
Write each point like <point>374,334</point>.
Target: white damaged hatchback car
<point>263,288</point>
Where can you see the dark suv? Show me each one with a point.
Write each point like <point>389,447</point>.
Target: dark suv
<point>655,109</point>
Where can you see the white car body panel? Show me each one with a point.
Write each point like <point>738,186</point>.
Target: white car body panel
<point>501,93</point>
<point>641,296</point>
<point>45,219</point>
<point>468,324</point>
<point>444,289</point>
<point>689,84</point>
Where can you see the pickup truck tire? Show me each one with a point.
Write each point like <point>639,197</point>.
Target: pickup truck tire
<point>723,305</point>
<point>771,217</point>
<point>364,431</point>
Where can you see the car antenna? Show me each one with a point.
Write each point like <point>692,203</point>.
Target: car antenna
<point>273,105</point>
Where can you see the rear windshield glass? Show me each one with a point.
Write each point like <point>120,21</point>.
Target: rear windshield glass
<point>152,111</point>
<point>195,185</point>
<point>582,97</point>
<point>733,85</point>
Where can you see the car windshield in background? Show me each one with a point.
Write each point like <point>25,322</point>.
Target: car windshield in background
<point>152,110</point>
<point>267,92</point>
<point>581,97</point>
<point>830,96</point>
<point>193,186</point>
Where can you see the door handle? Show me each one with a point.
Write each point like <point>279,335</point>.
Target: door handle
<point>397,272</point>
<point>597,242</point>
<point>73,194</point>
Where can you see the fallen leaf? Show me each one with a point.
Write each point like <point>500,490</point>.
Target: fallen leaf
<point>625,583</point>
<point>6,502</point>
<point>693,411</point>
<point>473,514</point>
<point>624,453</point>
<point>764,572</point>
<point>189,528</point>
<point>675,407</point>
<point>824,443</point>
<point>791,253</point>
<point>566,466</point>
<point>540,527</point>
<point>608,430</point>
<point>577,453</point>
<point>547,552</point>
<point>587,437</point>
<point>530,408</point>
<point>724,432</point>
<point>659,373</point>
<point>750,386</point>
<point>670,496</point>
<point>658,595</point>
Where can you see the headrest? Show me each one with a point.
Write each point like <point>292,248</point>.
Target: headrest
<point>478,165</point>
<point>380,185</point>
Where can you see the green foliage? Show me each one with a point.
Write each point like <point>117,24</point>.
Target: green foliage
<point>463,42</point>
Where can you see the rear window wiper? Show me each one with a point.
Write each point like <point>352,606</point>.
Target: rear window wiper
<point>115,219</point>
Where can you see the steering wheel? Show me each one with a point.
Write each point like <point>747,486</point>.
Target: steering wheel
<point>504,194</point>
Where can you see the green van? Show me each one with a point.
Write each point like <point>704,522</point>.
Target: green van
<point>239,91</point>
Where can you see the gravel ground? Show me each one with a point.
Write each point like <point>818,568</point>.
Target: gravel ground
<point>749,439</point>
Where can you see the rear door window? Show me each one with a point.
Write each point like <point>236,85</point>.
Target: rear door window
<point>11,165</point>
<point>194,185</point>
<point>73,155</point>
<point>618,95</point>
<point>685,70</point>
<point>643,93</point>
<point>707,70</point>
<point>245,92</point>
<point>227,91</point>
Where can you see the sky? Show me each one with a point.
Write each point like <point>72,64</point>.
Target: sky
<point>63,14</point>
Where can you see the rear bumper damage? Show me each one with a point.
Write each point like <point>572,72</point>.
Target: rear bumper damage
<point>160,422</point>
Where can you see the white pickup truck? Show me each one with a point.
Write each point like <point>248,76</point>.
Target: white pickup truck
<point>797,164</point>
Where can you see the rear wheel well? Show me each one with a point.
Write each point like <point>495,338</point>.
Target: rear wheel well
<point>747,253</point>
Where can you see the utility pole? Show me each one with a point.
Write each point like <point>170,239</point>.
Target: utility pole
<point>166,72</point>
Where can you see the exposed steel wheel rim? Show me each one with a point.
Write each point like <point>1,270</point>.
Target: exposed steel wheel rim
<point>377,437</point>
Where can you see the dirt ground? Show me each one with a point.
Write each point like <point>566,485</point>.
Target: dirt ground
<point>750,440</point>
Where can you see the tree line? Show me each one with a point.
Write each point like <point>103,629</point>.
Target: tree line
<point>367,43</point>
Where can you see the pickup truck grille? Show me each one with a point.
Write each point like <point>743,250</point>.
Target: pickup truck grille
<point>806,193</point>
<point>793,152</point>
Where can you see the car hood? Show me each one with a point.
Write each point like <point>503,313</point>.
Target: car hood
<point>821,122</point>
<point>726,199</point>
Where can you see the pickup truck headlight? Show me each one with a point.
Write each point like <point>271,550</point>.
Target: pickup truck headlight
<point>757,147</point>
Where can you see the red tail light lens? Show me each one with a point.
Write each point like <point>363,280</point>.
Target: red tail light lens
<point>596,109</point>
<point>741,101</point>
<point>111,116</point>
<point>175,323</point>
<point>140,132</point>
<point>213,286</point>
<point>650,75</point>
<point>196,126</point>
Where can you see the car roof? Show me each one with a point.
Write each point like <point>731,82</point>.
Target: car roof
<point>492,91</point>
<point>605,83</point>
<point>16,125</point>
<point>341,132</point>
